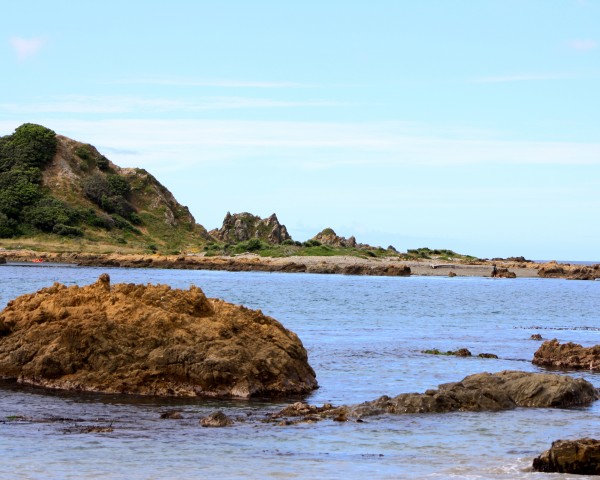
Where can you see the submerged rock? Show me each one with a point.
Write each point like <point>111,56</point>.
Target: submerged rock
<point>215,420</point>
<point>580,457</point>
<point>487,355</point>
<point>171,415</point>
<point>461,352</point>
<point>148,340</point>
<point>568,355</point>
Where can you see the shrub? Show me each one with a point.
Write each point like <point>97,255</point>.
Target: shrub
<point>102,162</point>
<point>18,189</point>
<point>101,221</point>
<point>95,187</point>
<point>252,245</point>
<point>66,230</point>
<point>118,185</point>
<point>123,224</point>
<point>8,227</point>
<point>47,213</point>
<point>311,243</point>
<point>83,152</point>
<point>117,204</point>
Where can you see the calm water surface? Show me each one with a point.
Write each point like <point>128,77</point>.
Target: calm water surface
<point>364,336</point>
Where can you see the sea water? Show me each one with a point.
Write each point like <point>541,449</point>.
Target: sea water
<point>365,337</point>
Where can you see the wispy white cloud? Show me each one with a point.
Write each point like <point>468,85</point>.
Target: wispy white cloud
<point>184,144</point>
<point>527,77</point>
<point>583,45</point>
<point>217,83</point>
<point>121,104</point>
<point>26,47</point>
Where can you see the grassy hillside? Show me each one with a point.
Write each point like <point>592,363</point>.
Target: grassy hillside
<point>62,194</point>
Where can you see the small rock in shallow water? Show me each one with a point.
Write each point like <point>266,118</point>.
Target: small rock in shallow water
<point>172,415</point>
<point>487,355</point>
<point>216,419</point>
<point>580,457</point>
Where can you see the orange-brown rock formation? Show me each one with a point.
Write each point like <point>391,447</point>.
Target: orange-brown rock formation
<point>148,340</point>
<point>569,271</point>
<point>581,457</point>
<point>568,355</point>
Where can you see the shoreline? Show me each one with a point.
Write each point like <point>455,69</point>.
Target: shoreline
<point>349,265</point>
<point>339,264</point>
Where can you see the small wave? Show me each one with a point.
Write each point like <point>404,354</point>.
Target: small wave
<point>583,328</point>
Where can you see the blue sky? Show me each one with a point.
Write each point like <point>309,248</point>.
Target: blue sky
<point>470,125</point>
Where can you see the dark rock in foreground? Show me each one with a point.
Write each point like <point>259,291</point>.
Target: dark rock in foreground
<point>148,340</point>
<point>580,456</point>
<point>216,420</point>
<point>488,392</point>
<point>568,355</point>
<point>476,393</point>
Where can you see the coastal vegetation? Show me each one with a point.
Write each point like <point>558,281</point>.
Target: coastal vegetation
<point>61,195</point>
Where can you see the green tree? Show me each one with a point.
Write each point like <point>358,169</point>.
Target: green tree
<point>30,146</point>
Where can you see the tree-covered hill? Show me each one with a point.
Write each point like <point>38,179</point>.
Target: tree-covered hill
<point>54,190</point>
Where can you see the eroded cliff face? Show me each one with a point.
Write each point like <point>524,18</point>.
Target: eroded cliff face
<point>148,340</point>
<point>241,227</point>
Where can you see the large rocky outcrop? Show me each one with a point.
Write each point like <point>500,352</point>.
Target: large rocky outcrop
<point>569,271</point>
<point>580,457</point>
<point>567,355</point>
<point>240,227</point>
<point>329,237</point>
<point>476,393</point>
<point>148,340</point>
